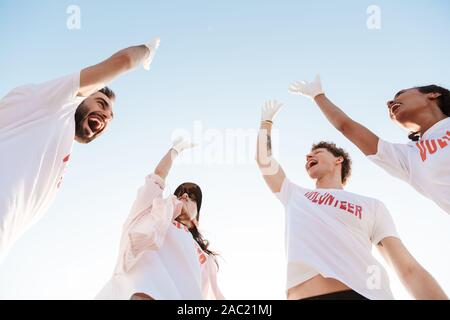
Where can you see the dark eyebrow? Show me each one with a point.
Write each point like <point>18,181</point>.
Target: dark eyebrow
<point>105,104</point>
<point>399,93</point>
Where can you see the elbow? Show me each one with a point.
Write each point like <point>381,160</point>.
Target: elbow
<point>258,162</point>
<point>343,126</point>
<point>124,60</point>
<point>263,157</point>
<point>411,271</point>
<point>158,172</point>
<point>262,162</point>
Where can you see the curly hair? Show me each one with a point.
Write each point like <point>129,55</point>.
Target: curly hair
<point>346,168</point>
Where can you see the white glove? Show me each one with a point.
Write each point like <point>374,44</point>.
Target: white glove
<point>308,89</point>
<point>152,47</point>
<point>179,144</point>
<point>270,109</point>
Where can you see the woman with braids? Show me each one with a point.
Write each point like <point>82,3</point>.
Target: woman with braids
<point>162,253</point>
<point>424,161</point>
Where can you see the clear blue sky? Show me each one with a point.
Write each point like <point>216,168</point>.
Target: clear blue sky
<point>217,63</point>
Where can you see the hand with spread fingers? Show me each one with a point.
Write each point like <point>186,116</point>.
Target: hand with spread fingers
<point>180,144</point>
<point>307,89</point>
<point>269,110</point>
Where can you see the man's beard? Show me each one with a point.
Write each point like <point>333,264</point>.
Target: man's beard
<point>80,115</point>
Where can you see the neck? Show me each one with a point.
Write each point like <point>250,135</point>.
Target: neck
<point>329,182</point>
<point>429,120</point>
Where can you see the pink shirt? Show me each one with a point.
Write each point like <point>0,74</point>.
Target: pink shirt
<point>158,255</point>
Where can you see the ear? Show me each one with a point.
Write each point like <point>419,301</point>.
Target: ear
<point>339,160</point>
<point>433,95</point>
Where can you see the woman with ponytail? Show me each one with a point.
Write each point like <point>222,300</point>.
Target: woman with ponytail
<point>162,255</point>
<point>424,112</point>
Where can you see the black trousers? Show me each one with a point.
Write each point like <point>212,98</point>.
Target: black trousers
<point>342,295</point>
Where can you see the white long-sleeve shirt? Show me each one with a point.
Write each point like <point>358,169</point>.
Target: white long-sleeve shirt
<point>158,256</point>
<point>37,131</point>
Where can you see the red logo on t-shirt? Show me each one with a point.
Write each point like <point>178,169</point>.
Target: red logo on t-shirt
<point>201,255</point>
<point>329,200</point>
<point>65,160</point>
<point>180,226</point>
<point>432,146</point>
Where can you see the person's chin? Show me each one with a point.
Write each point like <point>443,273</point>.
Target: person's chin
<point>83,140</point>
<point>403,117</point>
<point>312,174</point>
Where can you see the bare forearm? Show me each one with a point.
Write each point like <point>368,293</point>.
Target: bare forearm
<point>95,77</point>
<point>422,286</point>
<point>272,172</point>
<point>362,137</point>
<point>264,144</point>
<point>135,55</point>
<point>165,164</point>
<point>334,114</point>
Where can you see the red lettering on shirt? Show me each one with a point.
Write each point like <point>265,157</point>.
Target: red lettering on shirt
<point>65,160</point>
<point>358,212</point>
<point>350,208</point>
<point>329,200</point>
<point>201,255</point>
<point>432,146</point>
<point>442,143</point>
<point>180,226</point>
<point>315,197</point>
<point>322,198</point>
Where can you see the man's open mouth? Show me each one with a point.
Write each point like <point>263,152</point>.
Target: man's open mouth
<point>311,163</point>
<point>96,123</point>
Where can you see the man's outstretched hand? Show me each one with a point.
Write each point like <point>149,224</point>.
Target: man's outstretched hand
<point>152,47</point>
<point>308,89</point>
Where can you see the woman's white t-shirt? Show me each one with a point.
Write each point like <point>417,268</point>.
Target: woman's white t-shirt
<point>330,232</point>
<point>37,130</point>
<point>158,256</point>
<point>423,164</point>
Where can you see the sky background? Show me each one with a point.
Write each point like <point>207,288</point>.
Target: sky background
<point>217,63</point>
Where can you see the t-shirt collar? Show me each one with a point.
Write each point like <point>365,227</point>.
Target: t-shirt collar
<point>435,127</point>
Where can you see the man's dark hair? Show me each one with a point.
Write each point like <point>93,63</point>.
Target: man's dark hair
<point>108,92</point>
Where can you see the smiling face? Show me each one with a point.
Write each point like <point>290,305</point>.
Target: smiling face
<point>408,105</point>
<point>321,162</point>
<point>93,116</point>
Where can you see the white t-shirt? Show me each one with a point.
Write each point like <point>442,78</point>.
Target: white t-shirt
<point>37,130</point>
<point>158,256</point>
<point>330,232</point>
<point>423,164</point>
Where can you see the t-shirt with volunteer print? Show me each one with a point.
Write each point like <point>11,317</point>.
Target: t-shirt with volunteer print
<point>423,164</point>
<point>330,232</point>
<point>37,130</point>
